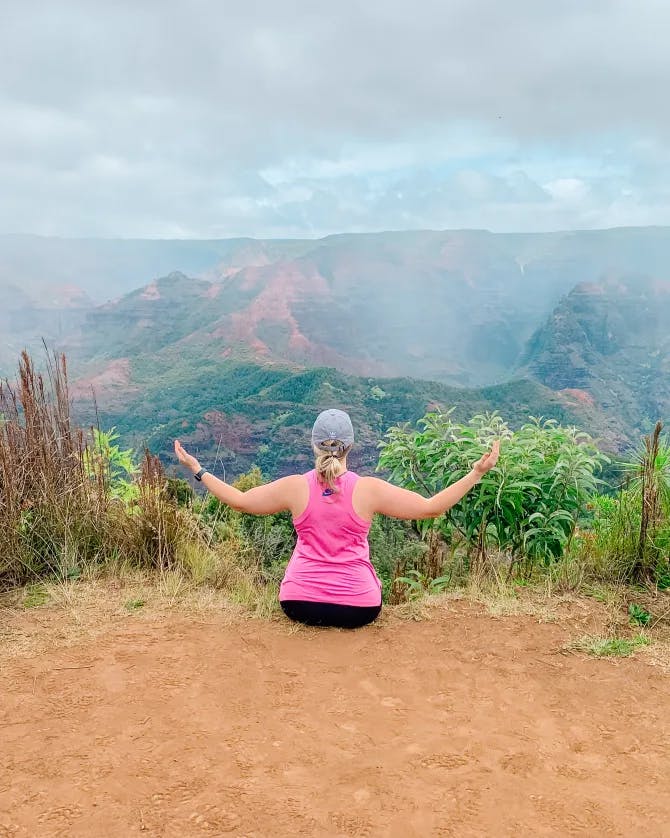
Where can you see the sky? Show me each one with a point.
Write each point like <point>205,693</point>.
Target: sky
<point>193,119</point>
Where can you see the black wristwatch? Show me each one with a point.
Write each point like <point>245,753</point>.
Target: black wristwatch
<point>198,475</point>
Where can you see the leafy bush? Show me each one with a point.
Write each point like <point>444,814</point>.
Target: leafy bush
<point>527,507</point>
<point>395,549</point>
<point>416,584</point>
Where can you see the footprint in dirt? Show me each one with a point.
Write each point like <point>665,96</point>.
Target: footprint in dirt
<point>369,688</point>
<point>12,830</point>
<point>216,820</point>
<point>449,761</point>
<point>522,765</point>
<point>351,826</point>
<point>390,701</point>
<point>60,815</point>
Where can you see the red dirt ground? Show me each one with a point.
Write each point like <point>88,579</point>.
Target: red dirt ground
<point>461,725</point>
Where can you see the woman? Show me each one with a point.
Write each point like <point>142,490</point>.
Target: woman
<point>329,580</point>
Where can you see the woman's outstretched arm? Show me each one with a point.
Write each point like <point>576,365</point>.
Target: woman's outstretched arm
<point>395,502</point>
<point>279,496</point>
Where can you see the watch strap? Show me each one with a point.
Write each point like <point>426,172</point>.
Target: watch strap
<point>198,475</point>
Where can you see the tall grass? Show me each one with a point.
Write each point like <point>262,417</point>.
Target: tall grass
<point>57,512</point>
<point>626,538</point>
<point>650,481</point>
<point>52,512</point>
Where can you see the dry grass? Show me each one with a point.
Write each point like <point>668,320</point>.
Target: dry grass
<point>501,599</point>
<point>49,507</point>
<point>59,508</point>
<point>62,519</point>
<point>67,613</point>
<point>597,618</point>
<point>72,612</point>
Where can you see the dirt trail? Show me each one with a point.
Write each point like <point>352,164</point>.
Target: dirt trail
<point>461,725</point>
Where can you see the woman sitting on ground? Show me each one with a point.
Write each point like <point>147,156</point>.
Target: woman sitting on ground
<point>329,580</point>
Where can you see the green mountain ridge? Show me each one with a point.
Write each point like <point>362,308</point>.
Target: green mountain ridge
<point>238,415</point>
<point>264,334</point>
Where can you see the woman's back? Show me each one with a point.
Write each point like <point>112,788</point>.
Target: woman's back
<point>329,580</point>
<point>331,560</point>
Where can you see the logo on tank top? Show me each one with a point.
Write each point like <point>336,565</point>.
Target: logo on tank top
<point>326,493</point>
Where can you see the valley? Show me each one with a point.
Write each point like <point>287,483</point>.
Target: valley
<point>234,344</point>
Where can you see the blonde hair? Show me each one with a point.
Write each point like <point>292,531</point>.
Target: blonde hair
<point>328,465</point>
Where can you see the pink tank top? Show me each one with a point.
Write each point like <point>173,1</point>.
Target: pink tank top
<point>331,560</point>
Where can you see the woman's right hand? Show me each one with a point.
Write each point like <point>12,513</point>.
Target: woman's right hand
<point>488,461</point>
<point>185,458</point>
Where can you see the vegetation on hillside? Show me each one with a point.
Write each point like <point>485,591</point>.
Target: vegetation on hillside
<point>74,502</point>
<point>460,307</point>
<point>236,415</point>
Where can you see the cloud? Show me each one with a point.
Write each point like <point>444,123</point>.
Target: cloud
<point>569,190</point>
<point>263,118</point>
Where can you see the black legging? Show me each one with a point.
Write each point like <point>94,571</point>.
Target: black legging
<point>328,614</point>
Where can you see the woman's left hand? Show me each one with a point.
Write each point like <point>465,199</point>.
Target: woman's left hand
<point>185,458</point>
<point>488,461</point>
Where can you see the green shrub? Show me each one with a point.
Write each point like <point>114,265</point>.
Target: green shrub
<point>606,542</point>
<point>105,461</point>
<point>416,584</point>
<point>638,614</point>
<point>396,548</point>
<point>527,507</point>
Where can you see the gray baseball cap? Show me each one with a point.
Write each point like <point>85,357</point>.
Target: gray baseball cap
<point>333,425</point>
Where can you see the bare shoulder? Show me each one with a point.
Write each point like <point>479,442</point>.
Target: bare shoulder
<point>291,486</point>
<point>377,495</point>
<point>366,493</point>
<point>370,484</point>
<point>287,493</point>
<point>291,480</point>
<point>295,490</point>
<point>281,484</point>
<point>375,487</point>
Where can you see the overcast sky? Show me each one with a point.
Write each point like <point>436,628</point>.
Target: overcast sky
<point>279,118</point>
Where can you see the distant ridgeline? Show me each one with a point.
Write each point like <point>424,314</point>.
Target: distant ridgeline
<point>238,350</point>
